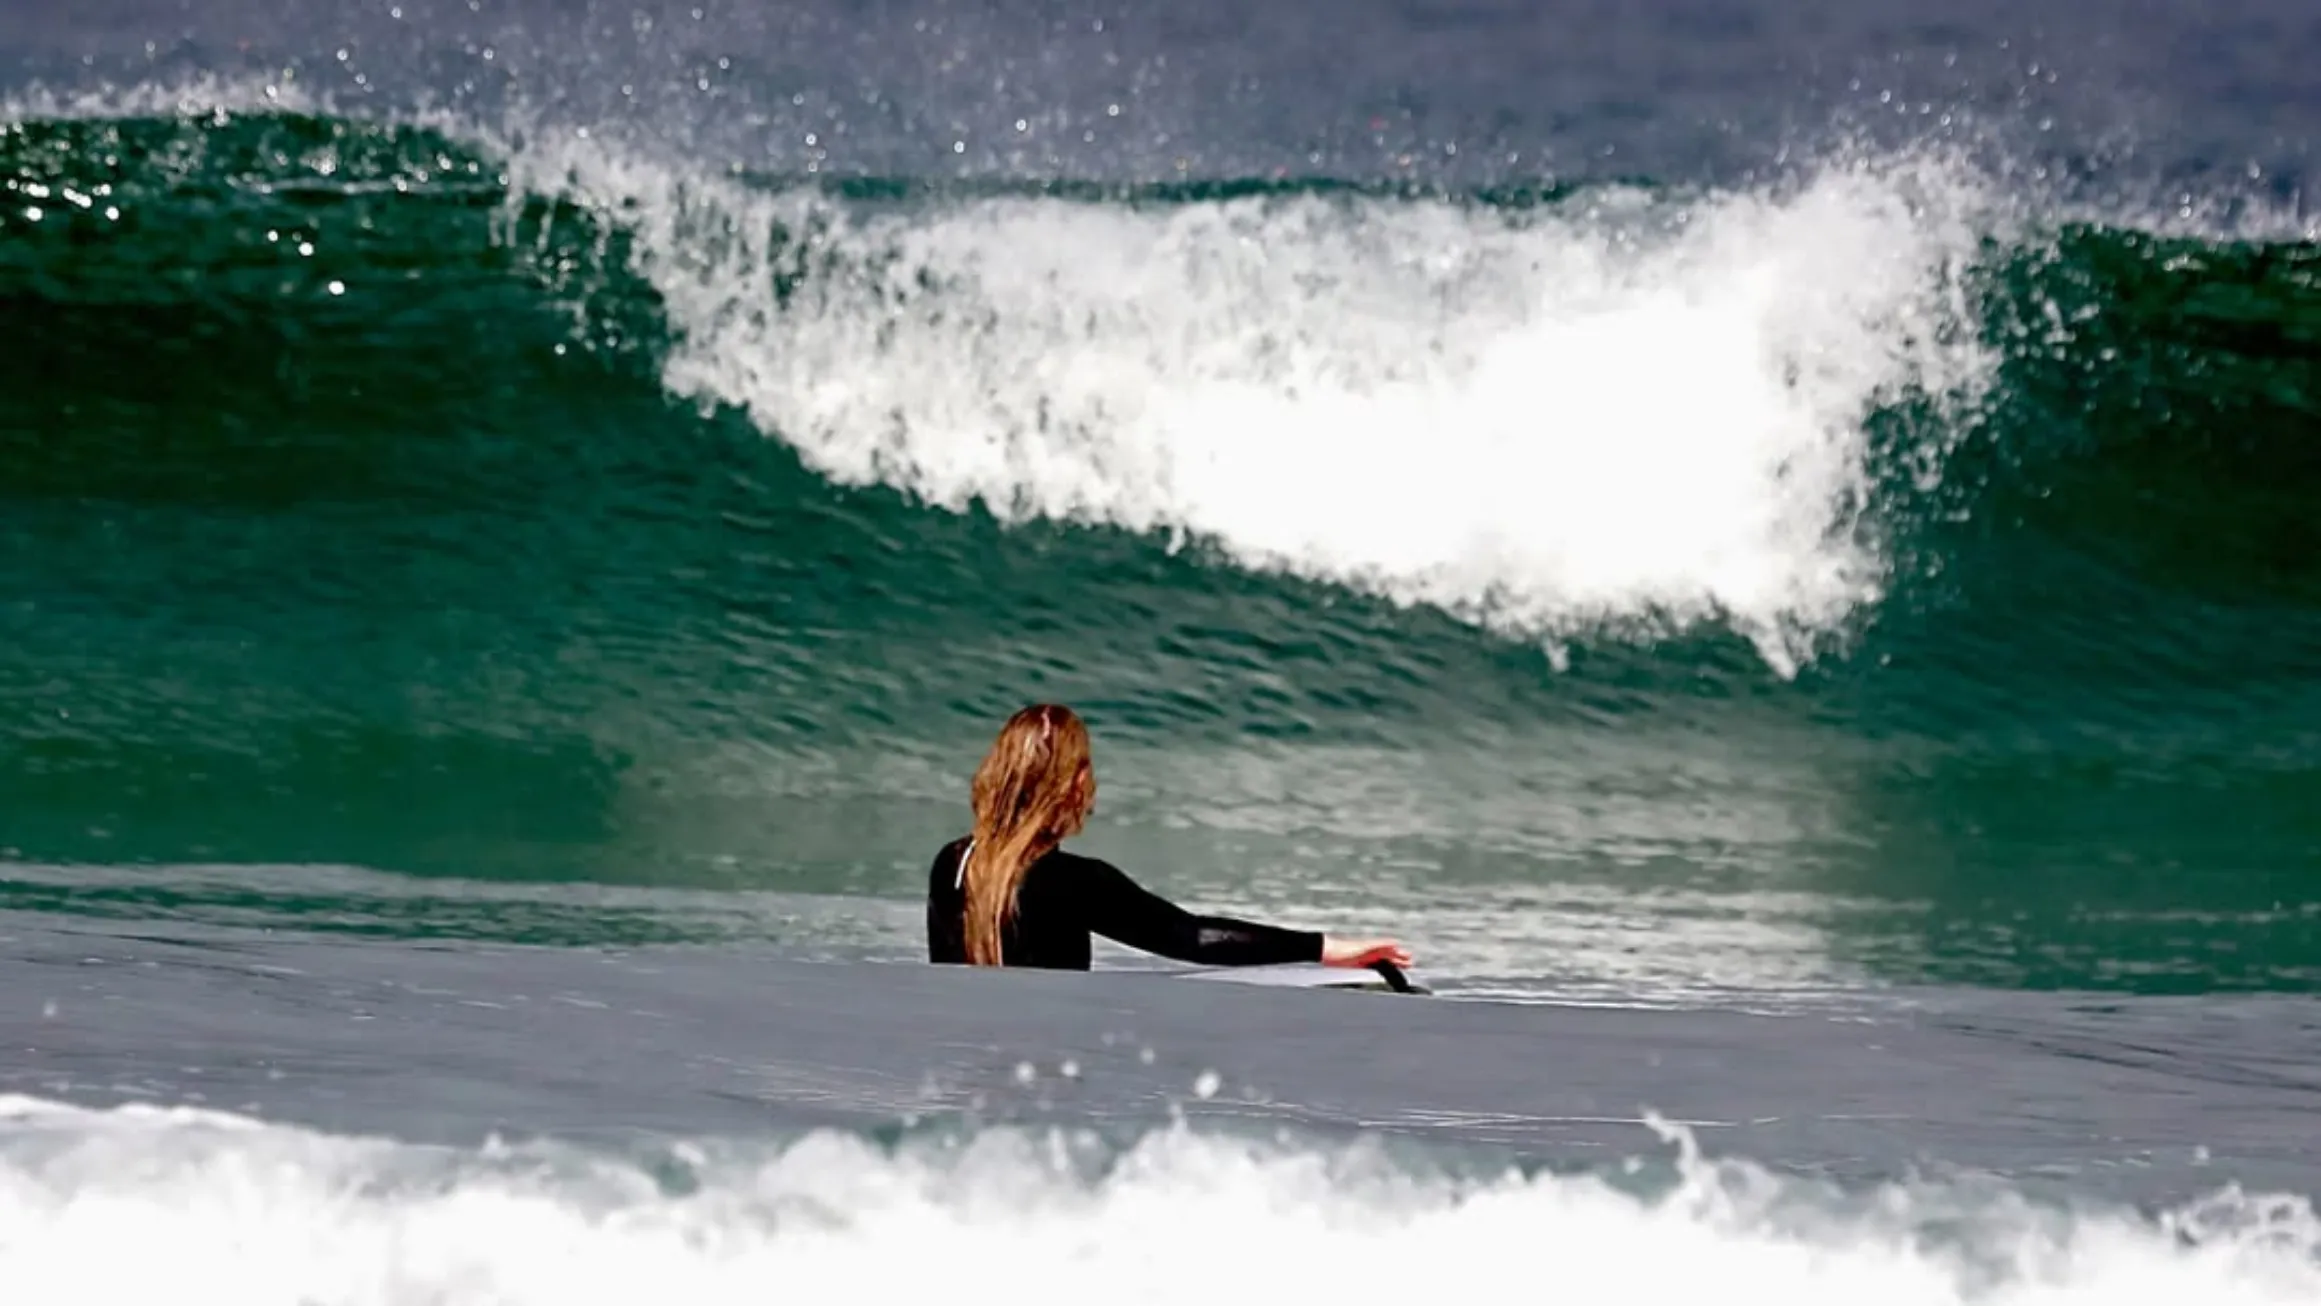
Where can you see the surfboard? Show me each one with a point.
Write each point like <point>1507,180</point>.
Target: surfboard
<point>1383,978</point>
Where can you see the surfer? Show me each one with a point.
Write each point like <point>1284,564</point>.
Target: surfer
<point>1009,895</point>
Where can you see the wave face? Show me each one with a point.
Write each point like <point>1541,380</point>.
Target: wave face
<point>1464,404</point>
<point>520,505</point>
<point>230,1209</point>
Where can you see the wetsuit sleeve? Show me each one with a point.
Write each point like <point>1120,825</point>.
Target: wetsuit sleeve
<point>946,928</point>
<point>1122,910</point>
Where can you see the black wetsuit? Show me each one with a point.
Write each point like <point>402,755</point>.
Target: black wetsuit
<point>1066,897</point>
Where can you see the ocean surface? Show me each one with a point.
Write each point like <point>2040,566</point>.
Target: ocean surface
<point>1775,545</point>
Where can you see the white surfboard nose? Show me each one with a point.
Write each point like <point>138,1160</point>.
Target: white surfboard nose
<point>1373,980</point>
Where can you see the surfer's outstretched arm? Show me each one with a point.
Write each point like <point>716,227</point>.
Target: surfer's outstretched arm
<point>1124,911</point>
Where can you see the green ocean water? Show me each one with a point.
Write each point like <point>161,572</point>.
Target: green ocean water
<point>1631,591</point>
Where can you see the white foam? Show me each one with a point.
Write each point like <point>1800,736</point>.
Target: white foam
<point>99,1208</point>
<point>1620,412</point>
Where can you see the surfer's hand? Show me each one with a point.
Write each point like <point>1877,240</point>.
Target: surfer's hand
<point>1357,953</point>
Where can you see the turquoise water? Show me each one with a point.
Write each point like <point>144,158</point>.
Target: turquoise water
<point>1864,578</point>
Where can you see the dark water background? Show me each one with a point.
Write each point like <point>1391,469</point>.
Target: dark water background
<point>391,486</point>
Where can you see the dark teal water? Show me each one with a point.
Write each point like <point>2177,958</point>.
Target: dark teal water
<point>1870,576</point>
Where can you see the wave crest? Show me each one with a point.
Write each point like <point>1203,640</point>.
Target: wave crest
<point>1626,408</point>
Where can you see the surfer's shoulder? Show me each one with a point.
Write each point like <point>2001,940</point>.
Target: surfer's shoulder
<point>945,867</point>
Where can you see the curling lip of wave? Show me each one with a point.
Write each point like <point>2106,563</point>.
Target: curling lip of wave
<point>1619,412</point>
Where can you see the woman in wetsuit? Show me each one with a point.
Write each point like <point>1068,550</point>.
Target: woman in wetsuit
<point>1009,895</point>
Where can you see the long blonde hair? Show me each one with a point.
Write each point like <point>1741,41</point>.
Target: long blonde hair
<point>1034,789</point>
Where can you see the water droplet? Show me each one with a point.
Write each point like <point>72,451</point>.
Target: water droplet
<point>1206,1086</point>
<point>338,287</point>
